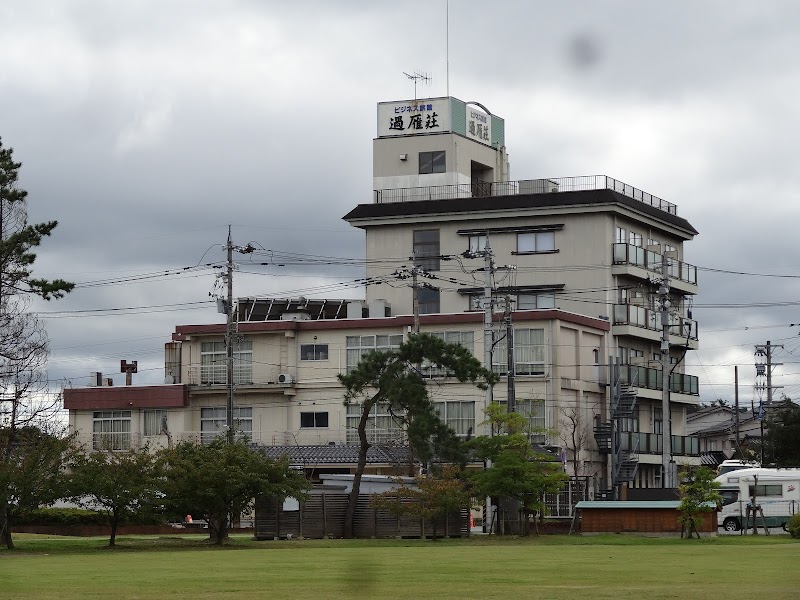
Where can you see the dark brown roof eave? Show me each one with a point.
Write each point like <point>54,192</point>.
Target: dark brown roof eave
<point>519,201</point>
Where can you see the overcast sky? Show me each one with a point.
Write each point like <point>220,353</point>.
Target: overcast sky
<point>146,127</point>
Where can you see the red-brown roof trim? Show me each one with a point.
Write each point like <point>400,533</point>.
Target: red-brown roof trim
<point>182,331</point>
<point>126,398</point>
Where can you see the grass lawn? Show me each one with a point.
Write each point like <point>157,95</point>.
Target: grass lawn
<point>547,567</point>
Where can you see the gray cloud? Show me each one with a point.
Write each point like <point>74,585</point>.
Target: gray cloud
<point>146,128</point>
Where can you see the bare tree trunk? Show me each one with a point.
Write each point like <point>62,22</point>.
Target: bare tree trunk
<point>114,524</point>
<point>5,530</point>
<point>222,531</point>
<point>217,529</point>
<point>363,446</point>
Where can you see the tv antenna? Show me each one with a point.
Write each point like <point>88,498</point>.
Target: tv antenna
<point>416,77</point>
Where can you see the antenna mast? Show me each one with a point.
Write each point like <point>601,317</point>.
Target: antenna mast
<point>447,48</point>
<point>416,76</point>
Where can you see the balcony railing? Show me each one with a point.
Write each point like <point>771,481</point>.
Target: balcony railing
<point>628,254</point>
<point>525,186</point>
<point>218,374</point>
<point>653,443</point>
<point>639,316</point>
<point>645,377</point>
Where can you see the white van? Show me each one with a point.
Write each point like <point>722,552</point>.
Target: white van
<point>726,466</point>
<point>777,491</point>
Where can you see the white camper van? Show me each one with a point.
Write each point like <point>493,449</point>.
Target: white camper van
<point>777,491</point>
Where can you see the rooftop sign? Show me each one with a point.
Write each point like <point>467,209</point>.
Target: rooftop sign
<point>440,115</point>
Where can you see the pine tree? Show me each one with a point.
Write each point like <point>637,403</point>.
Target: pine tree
<point>23,340</point>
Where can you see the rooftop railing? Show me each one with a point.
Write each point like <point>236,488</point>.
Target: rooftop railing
<point>481,189</point>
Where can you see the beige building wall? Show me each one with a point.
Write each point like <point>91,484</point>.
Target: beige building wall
<point>277,408</point>
<point>393,172</point>
<point>582,261</point>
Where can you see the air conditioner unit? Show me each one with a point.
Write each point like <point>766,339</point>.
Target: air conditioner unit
<point>285,378</point>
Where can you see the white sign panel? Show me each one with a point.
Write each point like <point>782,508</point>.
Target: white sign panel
<point>479,125</point>
<point>413,117</point>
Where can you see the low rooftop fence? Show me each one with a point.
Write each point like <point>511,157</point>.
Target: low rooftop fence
<point>480,189</point>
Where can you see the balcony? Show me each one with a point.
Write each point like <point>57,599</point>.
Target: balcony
<point>653,443</point>
<point>683,276</point>
<point>650,379</point>
<point>217,374</point>
<point>681,328</point>
<point>522,187</point>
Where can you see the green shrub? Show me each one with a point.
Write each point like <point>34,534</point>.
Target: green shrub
<point>794,526</point>
<point>79,516</point>
<point>63,517</point>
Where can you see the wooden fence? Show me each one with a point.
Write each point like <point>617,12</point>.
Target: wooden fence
<point>322,516</point>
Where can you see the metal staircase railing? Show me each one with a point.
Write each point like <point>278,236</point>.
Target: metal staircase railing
<point>624,458</point>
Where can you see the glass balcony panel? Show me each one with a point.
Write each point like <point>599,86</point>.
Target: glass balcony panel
<point>637,256</point>
<point>621,314</point>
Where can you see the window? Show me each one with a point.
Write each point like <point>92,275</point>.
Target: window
<point>654,242</point>
<point>539,241</point>
<point>458,416</point>
<point>426,249</point>
<point>155,422</point>
<point>314,352</point>
<point>635,239</point>
<point>432,162</point>
<point>214,362</point>
<point>766,490</point>
<point>629,356</point>
<point>213,422</point>
<point>428,299</point>
<point>477,243</point>
<point>658,421</point>
<point>475,302</point>
<point>313,419</point>
<point>111,430</point>
<point>620,235</point>
<point>537,300</point>
<point>528,353</point>
<point>729,496</point>
<point>535,412</point>
<point>359,345</point>
<point>381,426</point>
<point>462,338</point>
<point>630,424</point>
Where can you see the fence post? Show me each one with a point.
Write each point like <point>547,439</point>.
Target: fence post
<point>324,519</point>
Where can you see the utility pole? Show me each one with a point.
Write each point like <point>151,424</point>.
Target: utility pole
<point>229,336</point>
<point>415,289</point>
<point>511,405</point>
<point>736,404</point>
<point>488,334</point>
<point>764,370</point>
<point>488,343</point>
<point>667,466</point>
<point>414,273</point>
